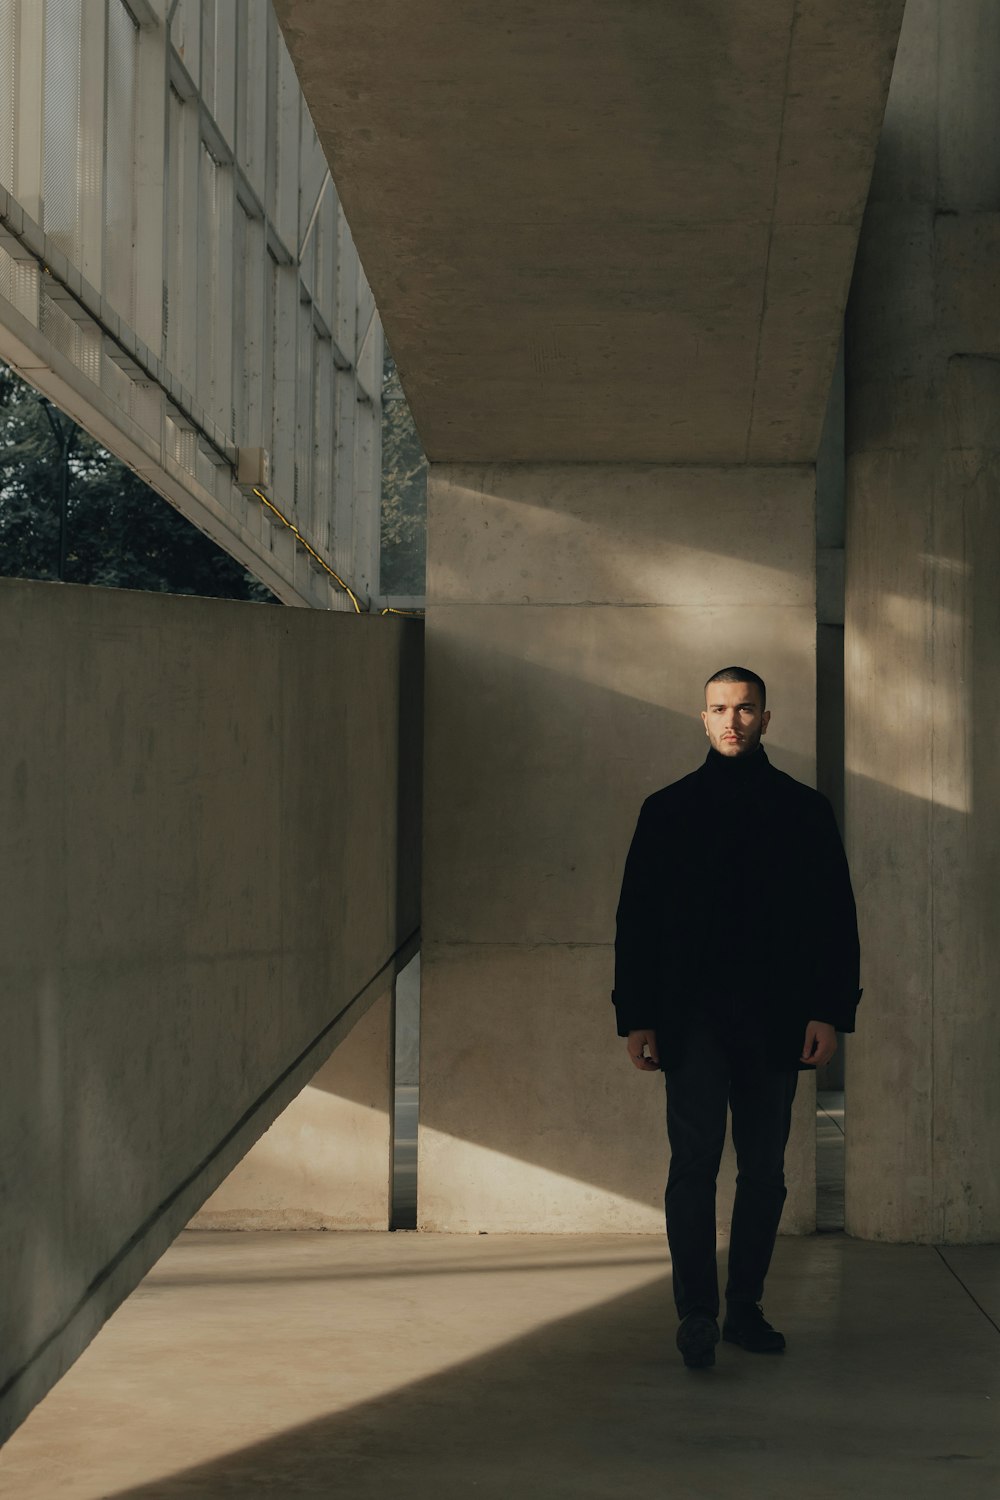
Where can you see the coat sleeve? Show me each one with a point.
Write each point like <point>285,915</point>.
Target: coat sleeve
<point>638,938</point>
<point>839,951</point>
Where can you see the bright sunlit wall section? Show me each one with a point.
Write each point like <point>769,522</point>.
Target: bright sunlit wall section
<point>176,272</point>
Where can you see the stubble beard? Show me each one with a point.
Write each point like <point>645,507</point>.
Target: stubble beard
<point>741,747</point>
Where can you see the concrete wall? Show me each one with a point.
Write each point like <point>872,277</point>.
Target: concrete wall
<point>210,818</point>
<point>574,614</point>
<point>923,643</point>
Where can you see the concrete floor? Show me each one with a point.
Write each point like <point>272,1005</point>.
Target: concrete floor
<point>444,1367</point>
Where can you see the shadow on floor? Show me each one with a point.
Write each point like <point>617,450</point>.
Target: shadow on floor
<point>296,1277</point>
<point>886,1390</point>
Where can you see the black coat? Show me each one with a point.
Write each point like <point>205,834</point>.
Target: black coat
<point>736,904</point>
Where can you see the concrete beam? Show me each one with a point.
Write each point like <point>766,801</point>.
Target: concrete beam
<point>604,232</point>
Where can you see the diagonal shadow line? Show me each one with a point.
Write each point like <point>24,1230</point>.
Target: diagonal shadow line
<point>941,1251</point>
<point>491,1404</point>
<point>596,1405</point>
<point>344,1017</point>
<point>293,1277</point>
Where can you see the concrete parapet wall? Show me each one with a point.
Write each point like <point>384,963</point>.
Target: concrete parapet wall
<point>210,816</point>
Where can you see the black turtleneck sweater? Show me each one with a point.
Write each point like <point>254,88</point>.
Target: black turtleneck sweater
<point>736,909</point>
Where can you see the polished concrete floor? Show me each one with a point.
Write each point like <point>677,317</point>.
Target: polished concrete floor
<point>513,1367</point>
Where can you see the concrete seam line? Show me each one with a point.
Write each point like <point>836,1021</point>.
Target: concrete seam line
<point>532,943</point>
<point>369,992</point>
<point>973,1299</point>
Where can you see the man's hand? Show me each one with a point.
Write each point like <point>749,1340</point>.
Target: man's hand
<point>639,1044</point>
<point>819,1046</point>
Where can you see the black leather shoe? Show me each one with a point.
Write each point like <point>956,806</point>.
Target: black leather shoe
<point>696,1339</point>
<point>746,1325</point>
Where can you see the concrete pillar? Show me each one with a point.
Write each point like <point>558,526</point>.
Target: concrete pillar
<point>574,613</point>
<point>923,637</point>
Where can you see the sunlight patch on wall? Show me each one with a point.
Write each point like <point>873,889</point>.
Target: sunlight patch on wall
<point>490,1190</point>
<point>325,1162</point>
<point>322,1165</point>
<point>563,546</point>
<point>909,695</point>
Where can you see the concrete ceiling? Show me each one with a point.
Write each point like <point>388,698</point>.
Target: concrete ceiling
<point>604,230</point>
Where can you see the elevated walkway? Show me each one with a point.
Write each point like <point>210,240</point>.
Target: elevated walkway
<point>499,1366</point>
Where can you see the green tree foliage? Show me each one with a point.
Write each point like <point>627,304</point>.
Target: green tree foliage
<point>118,532</point>
<point>404,493</point>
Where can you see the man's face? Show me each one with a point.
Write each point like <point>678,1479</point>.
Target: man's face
<point>733,718</point>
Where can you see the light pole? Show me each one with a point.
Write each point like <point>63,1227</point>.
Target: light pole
<point>64,433</point>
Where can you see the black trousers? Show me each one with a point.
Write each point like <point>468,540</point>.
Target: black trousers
<point>717,1071</point>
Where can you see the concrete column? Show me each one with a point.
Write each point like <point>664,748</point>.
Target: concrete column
<point>923,636</point>
<point>574,613</point>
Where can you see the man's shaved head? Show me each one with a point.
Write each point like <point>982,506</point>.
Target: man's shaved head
<point>739,674</point>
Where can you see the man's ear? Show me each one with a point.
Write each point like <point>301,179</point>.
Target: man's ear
<point>765,719</point>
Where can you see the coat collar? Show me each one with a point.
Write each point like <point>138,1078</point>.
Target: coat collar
<point>736,770</point>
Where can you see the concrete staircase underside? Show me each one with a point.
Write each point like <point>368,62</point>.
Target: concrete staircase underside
<point>604,230</point>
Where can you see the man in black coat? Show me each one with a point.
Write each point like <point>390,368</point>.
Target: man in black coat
<point>736,963</point>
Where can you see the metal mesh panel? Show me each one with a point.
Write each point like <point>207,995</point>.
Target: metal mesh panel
<point>19,285</point>
<point>323,429</point>
<point>61,145</point>
<point>241,333</point>
<point>251,86</point>
<point>146,407</point>
<point>8,90</point>
<point>254,354</point>
<point>345,397</point>
<point>6,276</point>
<point>284,305</point>
<point>173,328</point>
<point>286,145</point>
<point>80,343</point>
<point>304,366</point>
<point>182,445</point>
<point>116,384</point>
<point>208,42</point>
<point>25,289</point>
<point>119,172</point>
<point>56,327</point>
<point>326,255</point>
<point>208,272</point>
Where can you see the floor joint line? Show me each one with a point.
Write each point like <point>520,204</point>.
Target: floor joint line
<point>972,1298</point>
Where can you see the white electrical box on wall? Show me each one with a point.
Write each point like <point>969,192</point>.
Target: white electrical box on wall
<point>253,468</point>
